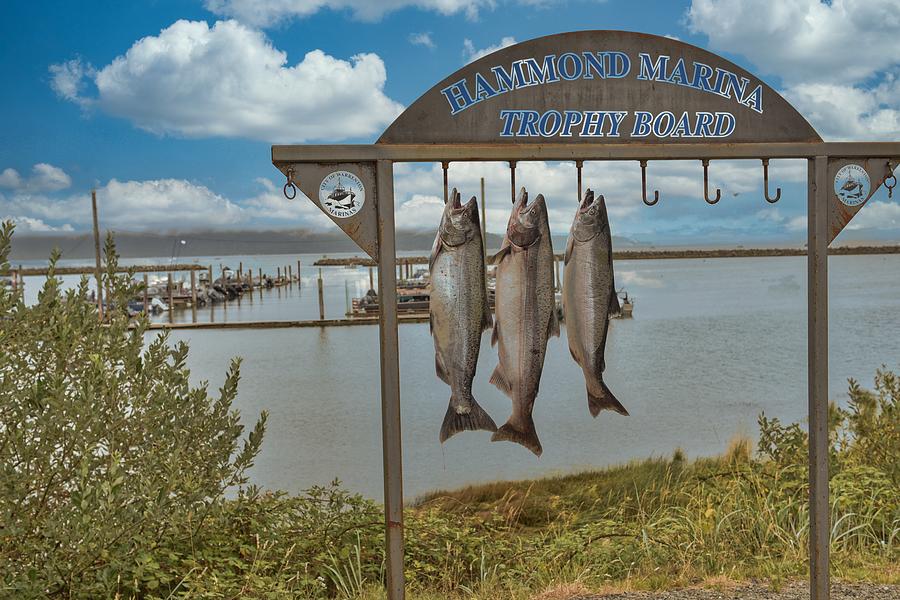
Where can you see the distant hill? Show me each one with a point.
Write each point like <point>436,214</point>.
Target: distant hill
<point>225,243</point>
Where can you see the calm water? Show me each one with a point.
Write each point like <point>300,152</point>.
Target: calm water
<point>713,343</point>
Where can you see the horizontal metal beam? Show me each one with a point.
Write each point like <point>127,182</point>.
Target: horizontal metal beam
<point>578,151</point>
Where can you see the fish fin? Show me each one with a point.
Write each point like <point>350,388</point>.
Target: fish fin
<point>435,250</point>
<point>498,378</point>
<point>525,436</point>
<point>495,334</point>
<point>477,418</point>
<point>440,370</point>
<point>614,306</point>
<point>504,250</point>
<point>553,325</point>
<point>487,320</point>
<point>574,356</point>
<point>570,245</point>
<point>604,400</point>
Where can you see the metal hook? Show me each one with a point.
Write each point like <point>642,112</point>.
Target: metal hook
<point>644,186</point>
<point>512,169</point>
<point>578,165</point>
<point>706,197</point>
<point>290,185</point>
<point>777,197</point>
<point>889,175</point>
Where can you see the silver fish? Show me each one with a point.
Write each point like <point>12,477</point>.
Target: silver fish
<point>526,315</point>
<point>459,312</point>
<point>589,298</point>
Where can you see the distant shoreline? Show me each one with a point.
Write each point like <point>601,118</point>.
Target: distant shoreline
<point>649,255</point>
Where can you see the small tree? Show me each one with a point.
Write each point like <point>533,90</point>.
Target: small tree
<point>106,450</point>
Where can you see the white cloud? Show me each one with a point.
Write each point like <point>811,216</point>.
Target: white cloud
<point>838,60</point>
<point>422,39</point>
<point>68,80</point>
<point>797,224</point>
<point>30,225</point>
<point>471,53</point>
<point>264,13</point>
<point>844,41</point>
<point>229,80</point>
<point>44,178</point>
<point>877,215</point>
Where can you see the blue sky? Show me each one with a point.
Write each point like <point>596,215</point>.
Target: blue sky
<point>169,107</point>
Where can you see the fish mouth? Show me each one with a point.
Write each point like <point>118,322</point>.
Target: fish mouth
<point>453,202</point>
<point>587,202</point>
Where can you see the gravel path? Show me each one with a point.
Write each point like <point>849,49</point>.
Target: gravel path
<point>796,591</point>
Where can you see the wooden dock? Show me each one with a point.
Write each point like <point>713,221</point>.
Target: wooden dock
<point>403,318</point>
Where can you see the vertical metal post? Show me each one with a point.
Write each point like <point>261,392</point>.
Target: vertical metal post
<point>445,166</point>
<point>371,280</point>
<point>390,382</point>
<point>97,268</point>
<point>321,297</point>
<point>193,296</point>
<point>512,180</point>
<point>817,259</point>
<point>484,221</point>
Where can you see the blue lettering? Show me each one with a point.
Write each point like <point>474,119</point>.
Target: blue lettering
<point>572,118</point>
<point>570,66</point>
<point>754,100</point>
<point>680,73</point>
<point>618,66</point>
<point>527,126</point>
<point>724,124</point>
<point>616,119</point>
<point>642,127</point>
<point>702,75</point>
<point>509,117</point>
<point>546,130</point>
<point>483,89</point>
<point>545,73</point>
<point>592,122</point>
<point>650,71</point>
<point>595,62</point>
<point>704,121</point>
<point>658,130</point>
<point>683,128</point>
<point>458,96</point>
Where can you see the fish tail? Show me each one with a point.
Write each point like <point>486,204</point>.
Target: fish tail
<point>524,435</point>
<point>476,418</point>
<point>604,400</point>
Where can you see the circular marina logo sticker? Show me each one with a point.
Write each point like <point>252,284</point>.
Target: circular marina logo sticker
<point>342,194</point>
<point>852,185</point>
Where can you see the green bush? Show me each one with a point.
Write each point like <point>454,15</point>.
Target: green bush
<point>109,458</point>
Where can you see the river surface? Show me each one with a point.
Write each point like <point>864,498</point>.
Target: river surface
<point>713,343</point>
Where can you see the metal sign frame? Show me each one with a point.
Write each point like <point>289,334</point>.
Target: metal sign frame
<point>822,205</point>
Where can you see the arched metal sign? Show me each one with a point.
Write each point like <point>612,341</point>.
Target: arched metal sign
<point>594,95</point>
<point>613,87</point>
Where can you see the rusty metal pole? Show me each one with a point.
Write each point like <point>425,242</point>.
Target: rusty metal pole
<point>98,268</point>
<point>512,180</point>
<point>817,261</point>
<point>390,382</point>
<point>445,166</point>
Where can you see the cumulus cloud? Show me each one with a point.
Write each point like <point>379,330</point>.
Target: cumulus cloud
<point>229,80</point>
<point>471,53</point>
<point>877,215</point>
<point>265,13</point>
<point>44,178</point>
<point>838,60</point>
<point>30,225</point>
<point>422,39</point>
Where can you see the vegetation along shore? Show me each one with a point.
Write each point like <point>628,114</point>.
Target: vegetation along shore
<point>115,471</point>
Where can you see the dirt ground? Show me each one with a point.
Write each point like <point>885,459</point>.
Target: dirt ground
<point>795,591</point>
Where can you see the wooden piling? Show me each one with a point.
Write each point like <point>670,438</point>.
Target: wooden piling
<point>261,284</point>
<point>278,276</point>
<point>171,299</point>
<point>556,269</point>
<point>321,297</point>
<point>290,276</point>
<point>298,274</point>
<point>146,295</point>
<point>210,280</point>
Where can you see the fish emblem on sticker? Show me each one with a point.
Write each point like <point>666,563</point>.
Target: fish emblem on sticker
<point>342,194</point>
<point>852,185</point>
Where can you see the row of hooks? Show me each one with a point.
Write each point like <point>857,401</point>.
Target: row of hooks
<point>889,181</point>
